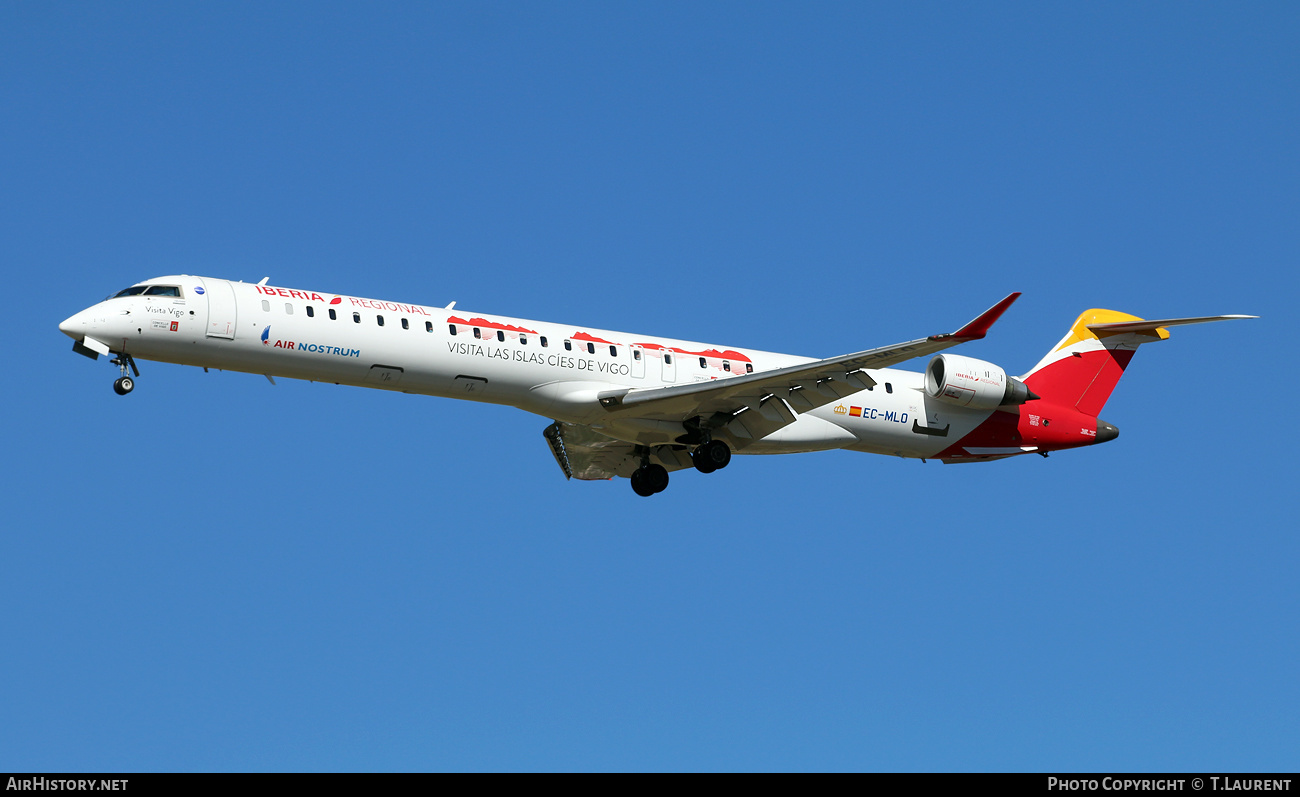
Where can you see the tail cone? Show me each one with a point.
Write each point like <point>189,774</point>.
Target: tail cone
<point>1106,431</point>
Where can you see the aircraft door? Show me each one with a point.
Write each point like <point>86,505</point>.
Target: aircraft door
<point>670,365</point>
<point>221,308</point>
<point>638,363</point>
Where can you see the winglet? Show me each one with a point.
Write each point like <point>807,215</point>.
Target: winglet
<point>980,326</point>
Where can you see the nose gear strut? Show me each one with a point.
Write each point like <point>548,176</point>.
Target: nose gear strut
<point>125,384</point>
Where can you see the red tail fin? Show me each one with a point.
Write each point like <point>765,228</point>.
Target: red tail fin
<point>1083,369</point>
<point>1086,365</point>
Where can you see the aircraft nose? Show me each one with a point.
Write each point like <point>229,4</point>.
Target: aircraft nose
<point>1106,431</point>
<point>75,326</point>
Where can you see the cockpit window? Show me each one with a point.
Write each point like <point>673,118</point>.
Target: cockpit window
<point>149,290</point>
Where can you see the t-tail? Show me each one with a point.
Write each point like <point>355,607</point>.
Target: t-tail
<point>1083,369</point>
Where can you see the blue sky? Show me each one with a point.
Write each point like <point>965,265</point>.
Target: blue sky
<point>218,574</point>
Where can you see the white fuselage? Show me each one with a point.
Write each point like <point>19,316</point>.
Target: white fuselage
<point>553,370</point>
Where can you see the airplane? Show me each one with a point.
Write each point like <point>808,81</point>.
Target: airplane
<point>637,406</point>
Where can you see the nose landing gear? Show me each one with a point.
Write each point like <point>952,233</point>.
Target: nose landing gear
<point>125,384</point>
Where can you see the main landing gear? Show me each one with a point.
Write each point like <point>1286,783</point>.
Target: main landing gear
<point>651,478</point>
<point>125,384</point>
<point>711,456</point>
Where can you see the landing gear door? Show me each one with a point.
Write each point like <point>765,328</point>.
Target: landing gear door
<point>221,308</point>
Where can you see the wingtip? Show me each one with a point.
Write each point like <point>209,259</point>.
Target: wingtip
<point>980,326</point>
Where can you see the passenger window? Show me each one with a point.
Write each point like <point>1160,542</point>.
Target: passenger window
<point>501,336</point>
<point>478,333</point>
<point>428,327</point>
<point>523,340</point>
<point>356,318</point>
<point>668,359</point>
<point>266,306</point>
<point>726,366</point>
<point>568,345</point>
<point>591,347</point>
<point>333,315</point>
<point>749,368</point>
<point>288,308</point>
<point>543,340</point>
<point>636,355</point>
<point>380,320</point>
<point>703,364</point>
<point>613,352</point>
<point>311,311</point>
<point>889,387</point>
<point>450,327</point>
<point>406,324</point>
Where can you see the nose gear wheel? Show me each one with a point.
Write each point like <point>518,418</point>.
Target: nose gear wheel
<point>125,384</point>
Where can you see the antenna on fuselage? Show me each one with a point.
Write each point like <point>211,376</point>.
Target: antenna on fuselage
<point>263,281</point>
<point>448,307</point>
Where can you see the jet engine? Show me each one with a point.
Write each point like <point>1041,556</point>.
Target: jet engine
<point>968,382</point>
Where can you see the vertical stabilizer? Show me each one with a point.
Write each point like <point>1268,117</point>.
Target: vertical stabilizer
<point>1083,369</point>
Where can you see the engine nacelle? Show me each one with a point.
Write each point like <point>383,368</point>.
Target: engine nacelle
<point>968,382</point>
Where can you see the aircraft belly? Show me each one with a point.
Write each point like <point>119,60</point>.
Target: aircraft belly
<point>924,436</point>
<point>573,402</point>
<point>900,422</point>
<point>807,433</point>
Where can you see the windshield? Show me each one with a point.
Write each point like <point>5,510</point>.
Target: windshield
<point>149,290</point>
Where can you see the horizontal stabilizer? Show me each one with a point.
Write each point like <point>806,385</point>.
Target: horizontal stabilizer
<point>1151,326</point>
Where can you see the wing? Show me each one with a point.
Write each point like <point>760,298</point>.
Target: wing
<point>765,400</point>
